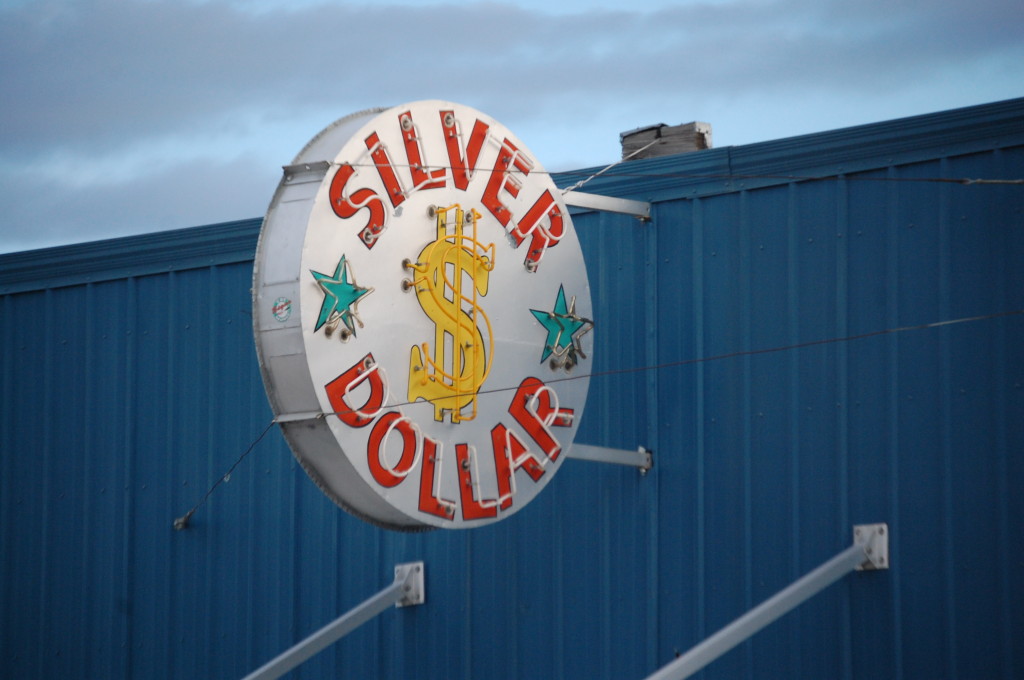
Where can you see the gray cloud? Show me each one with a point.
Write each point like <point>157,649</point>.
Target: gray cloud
<point>182,195</point>
<point>115,94</point>
<point>90,75</point>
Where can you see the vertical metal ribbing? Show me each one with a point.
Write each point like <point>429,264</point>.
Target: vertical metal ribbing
<point>746,325</point>
<point>1007,570</point>
<point>651,438</point>
<point>131,361</point>
<point>793,334</point>
<point>842,329</point>
<point>6,462</point>
<point>698,342</point>
<point>948,551</point>
<point>893,320</point>
<point>45,453</point>
<point>88,509</point>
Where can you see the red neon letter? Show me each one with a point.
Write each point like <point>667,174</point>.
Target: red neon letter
<point>531,407</point>
<point>471,508</point>
<point>510,454</point>
<point>429,502</point>
<point>338,389</point>
<point>396,475</point>
<point>344,207</point>
<point>543,237</point>
<point>462,168</point>
<point>385,169</point>
<point>508,156</point>
<point>420,179</point>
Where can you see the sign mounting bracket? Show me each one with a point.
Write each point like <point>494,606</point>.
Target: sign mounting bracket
<point>641,459</point>
<point>624,206</point>
<point>406,590</point>
<point>869,552</point>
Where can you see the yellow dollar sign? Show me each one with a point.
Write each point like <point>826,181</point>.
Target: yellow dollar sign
<point>450,273</point>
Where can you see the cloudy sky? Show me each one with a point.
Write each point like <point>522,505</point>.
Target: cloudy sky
<point>121,117</point>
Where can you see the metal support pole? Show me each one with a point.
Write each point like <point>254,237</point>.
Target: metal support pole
<point>625,206</point>
<point>640,459</point>
<point>407,589</point>
<point>870,550</point>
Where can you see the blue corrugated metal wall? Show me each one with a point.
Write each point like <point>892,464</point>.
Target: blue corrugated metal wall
<point>129,385</point>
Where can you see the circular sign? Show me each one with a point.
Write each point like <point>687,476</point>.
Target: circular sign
<point>437,302</point>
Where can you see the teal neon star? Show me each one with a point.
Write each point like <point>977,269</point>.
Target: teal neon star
<point>341,297</point>
<point>564,330</point>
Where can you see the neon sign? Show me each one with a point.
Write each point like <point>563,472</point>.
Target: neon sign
<point>439,288</point>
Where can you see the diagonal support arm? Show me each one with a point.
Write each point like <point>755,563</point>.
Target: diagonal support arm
<point>869,551</point>
<point>625,206</point>
<point>640,459</point>
<point>407,589</point>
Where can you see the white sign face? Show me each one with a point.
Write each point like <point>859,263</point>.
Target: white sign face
<point>444,313</point>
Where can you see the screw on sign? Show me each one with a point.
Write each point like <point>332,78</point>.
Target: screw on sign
<point>437,246</point>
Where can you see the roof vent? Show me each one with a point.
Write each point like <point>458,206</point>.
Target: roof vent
<point>665,140</point>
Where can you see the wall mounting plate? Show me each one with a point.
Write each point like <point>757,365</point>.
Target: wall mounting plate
<point>414,591</point>
<point>874,538</point>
